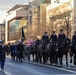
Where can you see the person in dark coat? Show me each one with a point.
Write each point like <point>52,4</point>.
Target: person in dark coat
<point>13,51</point>
<point>20,51</point>
<point>7,47</point>
<point>45,38</point>
<point>16,50</point>
<point>74,39</point>
<point>61,38</point>
<point>37,51</point>
<point>53,39</point>
<point>53,36</point>
<point>73,49</point>
<point>2,55</point>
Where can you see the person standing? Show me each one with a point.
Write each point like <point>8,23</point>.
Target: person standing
<point>20,51</point>
<point>2,55</point>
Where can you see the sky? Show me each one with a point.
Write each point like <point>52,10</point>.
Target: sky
<point>5,5</point>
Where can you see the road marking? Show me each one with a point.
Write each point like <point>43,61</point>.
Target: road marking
<point>7,73</point>
<point>52,67</point>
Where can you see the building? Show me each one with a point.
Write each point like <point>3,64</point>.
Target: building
<point>16,18</point>
<point>31,17</point>
<point>61,15</point>
<point>2,32</point>
<point>39,17</point>
<point>2,28</point>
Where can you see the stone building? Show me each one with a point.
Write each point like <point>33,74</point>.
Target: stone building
<point>61,15</point>
<point>2,32</point>
<point>16,18</point>
<point>39,17</point>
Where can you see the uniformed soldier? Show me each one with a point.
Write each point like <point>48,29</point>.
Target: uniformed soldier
<point>45,40</point>
<point>61,37</point>
<point>53,36</point>
<point>45,37</point>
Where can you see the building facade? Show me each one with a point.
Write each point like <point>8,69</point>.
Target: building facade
<point>60,15</point>
<point>31,17</point>
<point>2,32</point>
<point>39,17</point>
<point>16,18</point>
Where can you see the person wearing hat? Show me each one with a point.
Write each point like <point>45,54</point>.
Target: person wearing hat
<point>45,38</point>
<point>20,50</point>
<point>61,37</point>
<point>53,36</point>
<point>74,46</point>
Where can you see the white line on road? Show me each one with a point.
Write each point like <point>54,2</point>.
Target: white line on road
<point>7,73</point>
<point>52,67</point>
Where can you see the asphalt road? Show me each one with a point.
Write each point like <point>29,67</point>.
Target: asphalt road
<point>2,73</point>
<point>30,68</point>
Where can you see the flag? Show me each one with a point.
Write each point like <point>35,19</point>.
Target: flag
<point>23,35</point>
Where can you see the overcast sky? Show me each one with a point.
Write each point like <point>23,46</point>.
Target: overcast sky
<point>5,5</point>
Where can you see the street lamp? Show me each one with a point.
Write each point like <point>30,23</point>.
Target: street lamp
<point>66,20</point>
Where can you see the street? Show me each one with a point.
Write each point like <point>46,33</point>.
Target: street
<point>31,68</point>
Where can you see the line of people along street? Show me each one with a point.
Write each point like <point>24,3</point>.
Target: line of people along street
<point>16,50</point>
<point>61,39</point>
<point>45,49</point>
<point>52,49</point>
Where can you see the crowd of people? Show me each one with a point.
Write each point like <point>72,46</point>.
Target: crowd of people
<point>59,40</point>
<point>15,50</point>
<point>44,49</point>
<point>54,47</point>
